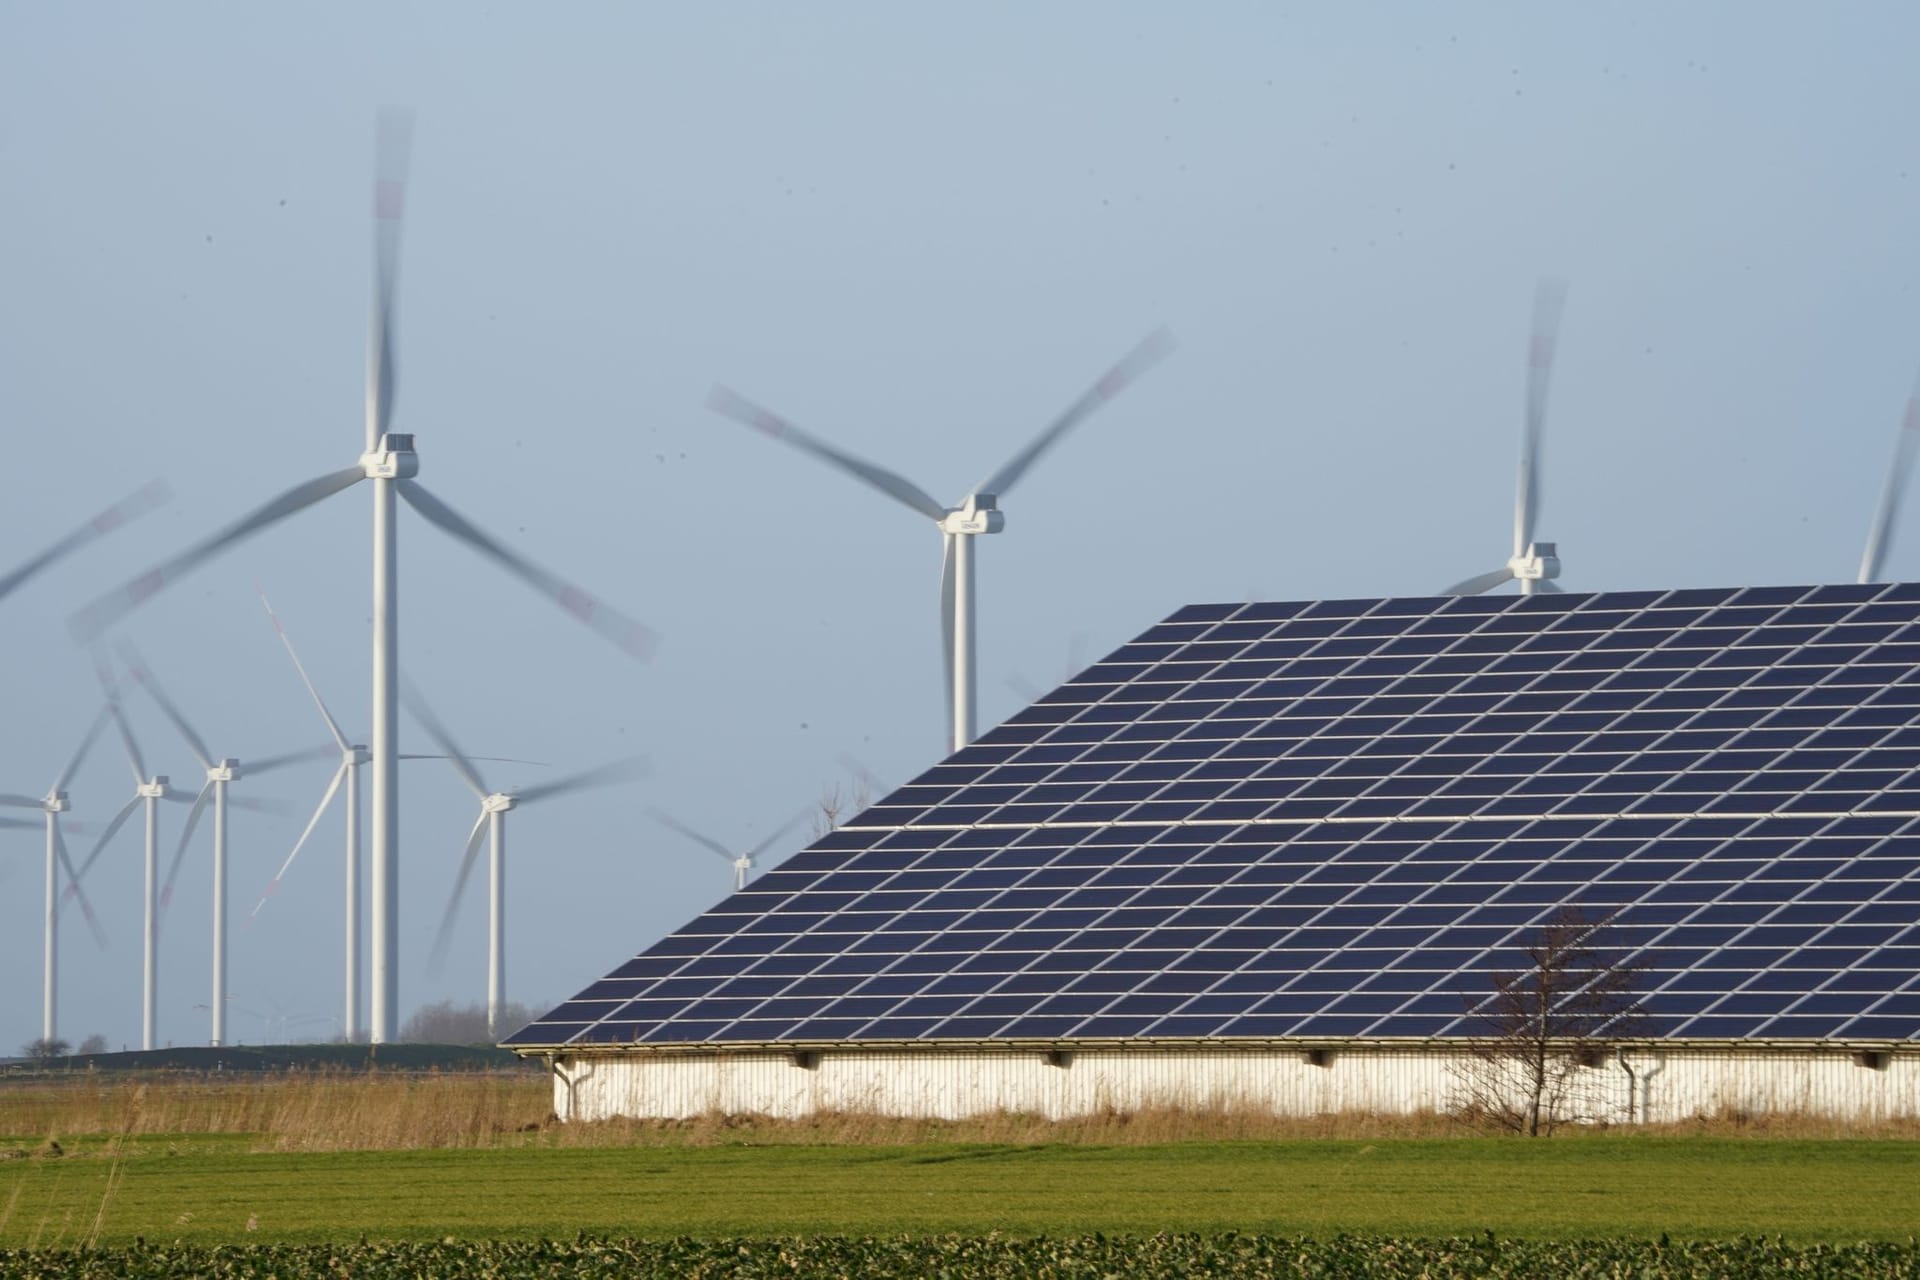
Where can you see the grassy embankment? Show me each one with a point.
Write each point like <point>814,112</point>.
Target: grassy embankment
<point>308,1158</point>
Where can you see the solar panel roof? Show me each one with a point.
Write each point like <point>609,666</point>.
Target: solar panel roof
<point>1334,819</point>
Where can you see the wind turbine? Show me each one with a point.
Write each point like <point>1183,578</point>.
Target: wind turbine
<point>977,513</point>
<point>52,805</point>
<point>352,756</point>
<point>1534,564</point>
<point>742,864</point>
<point>493,822</point>
<point>390,462</point>
<point>148,790</point>
<point>1887,515</point>
<point>221,774</point>
<point>136,504</point>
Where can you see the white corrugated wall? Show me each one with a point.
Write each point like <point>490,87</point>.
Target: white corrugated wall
<point>1663,1085</point>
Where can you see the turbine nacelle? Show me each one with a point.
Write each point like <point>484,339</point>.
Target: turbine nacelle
<point>392,459</point>
<point>498,802</point>
<point>55,802</point>
<point>228,770</point>
<point>978,514</point>
<point>1541,563</point>
<point>155,788</point>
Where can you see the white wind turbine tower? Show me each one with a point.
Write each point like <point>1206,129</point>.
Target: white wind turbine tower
<point>221,774</point>
<point>1887,516</point>
<point>977,513</point>
<point>148,790</point>
<point>493,823</point>
<point>1534,564</point>
<point>52,805</point>
<point>389,461</point>
<point>743,864</point>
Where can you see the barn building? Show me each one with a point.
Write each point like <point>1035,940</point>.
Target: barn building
<point>1269,856</point>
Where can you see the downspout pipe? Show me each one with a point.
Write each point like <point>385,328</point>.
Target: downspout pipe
<point>553,1065</point>
<point>1620,1055</point>
<point>1642,1083</point>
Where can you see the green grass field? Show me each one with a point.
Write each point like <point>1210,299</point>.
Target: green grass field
<point>218,1189</point>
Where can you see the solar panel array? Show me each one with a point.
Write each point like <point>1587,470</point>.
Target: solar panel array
<point>1336,819</point>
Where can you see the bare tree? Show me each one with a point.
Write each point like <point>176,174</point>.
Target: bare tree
<point>45,1050</point>
<point>1541,1027</point>
<point>831,805</point>
<point>93,1044</point>
<point>448,1023</point>
<point>838,800</point>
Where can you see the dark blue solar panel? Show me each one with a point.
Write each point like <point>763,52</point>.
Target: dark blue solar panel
<point>1337,818</point>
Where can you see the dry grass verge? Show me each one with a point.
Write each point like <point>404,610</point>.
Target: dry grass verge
<point>359,1111</point>
<point>297,1111</point>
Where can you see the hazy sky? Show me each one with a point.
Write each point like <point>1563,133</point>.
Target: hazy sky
<point>920,233</point>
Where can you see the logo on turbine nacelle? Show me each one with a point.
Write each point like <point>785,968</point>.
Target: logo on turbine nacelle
<point>394,459</point>
<point>1541,562</point>
<point>979,515</point>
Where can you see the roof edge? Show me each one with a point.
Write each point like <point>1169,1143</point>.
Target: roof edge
<point>1173,1044</point>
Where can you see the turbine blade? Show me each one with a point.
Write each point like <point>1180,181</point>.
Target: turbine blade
<point>106,837</point>
<point>1156,347</point>
<point>393,150</point>
<point>705,842</point>
<point>19,824</point>
<point>731,404</point>
<point>333,726</point>
<point>266,764</point>
<point>1887,516</point>
<point>74,890</point>
<point>326,798</point>
<point>635,638</point>
<point>417,704</point>
<point>606,775</point>
<point>862,774</point>
<point>86,745</point>
<point>1485,582</point>
<point>444,934</point>
<point>1549,299</point>
<point>144,499</point>
<point>947,608</point>
<point>180,850</point>
<point>423,755</point>
<point>14,801</point>
<point>145,678</point>
<point>119,715</point>
<point>781,830</point>
<point>103,612</point>
<point>259,804</point>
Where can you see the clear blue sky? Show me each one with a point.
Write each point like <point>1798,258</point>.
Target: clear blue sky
<point>920,233</point>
